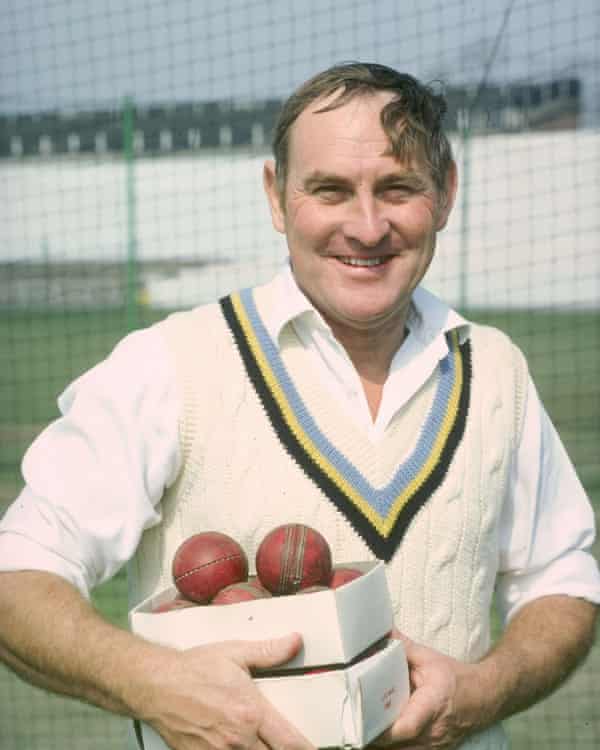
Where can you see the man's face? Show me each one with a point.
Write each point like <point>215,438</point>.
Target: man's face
<point>360,225</point>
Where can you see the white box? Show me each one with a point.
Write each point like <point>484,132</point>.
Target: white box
<point>336,624</point>
<point>342,708</point>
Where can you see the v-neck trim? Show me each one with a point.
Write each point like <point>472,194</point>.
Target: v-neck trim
<point>380,515</point>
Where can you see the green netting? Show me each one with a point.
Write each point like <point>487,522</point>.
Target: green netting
<point>131,143</point>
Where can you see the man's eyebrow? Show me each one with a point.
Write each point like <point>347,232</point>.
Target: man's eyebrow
<point>409,178</point>
<point>320,178</point>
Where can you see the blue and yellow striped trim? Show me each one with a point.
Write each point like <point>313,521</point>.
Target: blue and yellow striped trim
<point>381,516</point>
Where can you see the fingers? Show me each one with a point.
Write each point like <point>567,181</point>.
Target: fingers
<point>406,641</point>
<point>267,653</point>
<point>274,731</point>
<point>415,718</point>
<point>416,653</point>
<point>210,699</point>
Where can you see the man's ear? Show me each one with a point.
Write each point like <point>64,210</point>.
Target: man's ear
<point>273,196</point>
<point>446,200</point>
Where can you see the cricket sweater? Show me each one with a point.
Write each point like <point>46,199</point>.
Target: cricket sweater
<point>264,444</point>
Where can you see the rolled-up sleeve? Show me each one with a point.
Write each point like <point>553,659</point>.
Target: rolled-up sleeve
<point>547,524</point>
<point>95,476</point>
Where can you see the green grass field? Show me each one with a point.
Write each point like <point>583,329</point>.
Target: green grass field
<point>42,351</point>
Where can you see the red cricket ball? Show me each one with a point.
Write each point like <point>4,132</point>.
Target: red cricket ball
<point>240,592</point>
<point>177,603</point>
<point>343,574</point>
<point>293,557</point>
<point>313,589</point>
<point>206,563</point>
<point>255,581</point>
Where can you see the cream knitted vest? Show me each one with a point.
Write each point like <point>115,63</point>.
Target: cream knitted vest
<point>237,477</point>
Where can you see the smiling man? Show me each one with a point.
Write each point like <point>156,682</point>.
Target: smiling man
<point>360,224</point>
<point>343,395</point>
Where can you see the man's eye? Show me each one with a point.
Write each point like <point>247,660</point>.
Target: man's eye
<point>398,190</point>
<point>330,192</point>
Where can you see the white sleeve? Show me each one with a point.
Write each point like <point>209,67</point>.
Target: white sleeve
<point>547,524</point>
<point>95,476</point>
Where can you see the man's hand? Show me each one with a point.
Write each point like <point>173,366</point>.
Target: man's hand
<point>541,646</point>
<point>198,699</point>
<point>433,716</point>
<point>205,698</point>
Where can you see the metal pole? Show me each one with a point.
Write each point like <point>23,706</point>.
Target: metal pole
<point>465,133</point>
<point>132,271</point>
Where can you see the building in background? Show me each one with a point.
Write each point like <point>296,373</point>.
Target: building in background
<point>191,126</point>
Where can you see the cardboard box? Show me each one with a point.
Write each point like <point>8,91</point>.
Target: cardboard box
<point>340,708</point>
<point>336,625</point>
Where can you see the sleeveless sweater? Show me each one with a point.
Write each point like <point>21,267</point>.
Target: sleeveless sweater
<point>264,444</point>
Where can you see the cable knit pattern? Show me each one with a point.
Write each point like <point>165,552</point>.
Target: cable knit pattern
<point>238,478</point>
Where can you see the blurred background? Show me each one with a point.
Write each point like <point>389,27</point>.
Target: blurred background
<point>132,137</point>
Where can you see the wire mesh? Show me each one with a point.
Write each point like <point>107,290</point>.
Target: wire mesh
<point>131,143</point>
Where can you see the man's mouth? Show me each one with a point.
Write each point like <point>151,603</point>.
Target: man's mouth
<point>363,262</point>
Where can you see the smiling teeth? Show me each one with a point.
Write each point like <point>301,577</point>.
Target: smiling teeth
<point>362,261</point>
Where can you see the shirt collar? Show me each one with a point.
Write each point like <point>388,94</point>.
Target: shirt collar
<point>429,316</point>
<point>290,303</point>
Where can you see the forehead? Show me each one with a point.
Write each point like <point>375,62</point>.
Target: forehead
<point>353,128</point>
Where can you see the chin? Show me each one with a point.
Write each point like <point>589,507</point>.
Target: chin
<point>366,318</point>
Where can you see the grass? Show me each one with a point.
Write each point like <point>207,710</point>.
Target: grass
<point>563,351</point>
<point>42,351</point>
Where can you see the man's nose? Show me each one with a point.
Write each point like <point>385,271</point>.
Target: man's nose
<point>366,222</point>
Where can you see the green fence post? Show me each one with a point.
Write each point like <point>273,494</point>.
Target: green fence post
<point>132,270</point>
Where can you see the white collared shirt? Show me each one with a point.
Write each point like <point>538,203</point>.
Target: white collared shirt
<point>95,476</point>
<point>412,364</point>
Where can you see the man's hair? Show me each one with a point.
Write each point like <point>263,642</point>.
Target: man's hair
<point>412,120</point>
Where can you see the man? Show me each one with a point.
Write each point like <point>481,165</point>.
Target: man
<point>342,395</point>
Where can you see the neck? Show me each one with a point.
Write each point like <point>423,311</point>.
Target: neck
<point>372,349</point>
